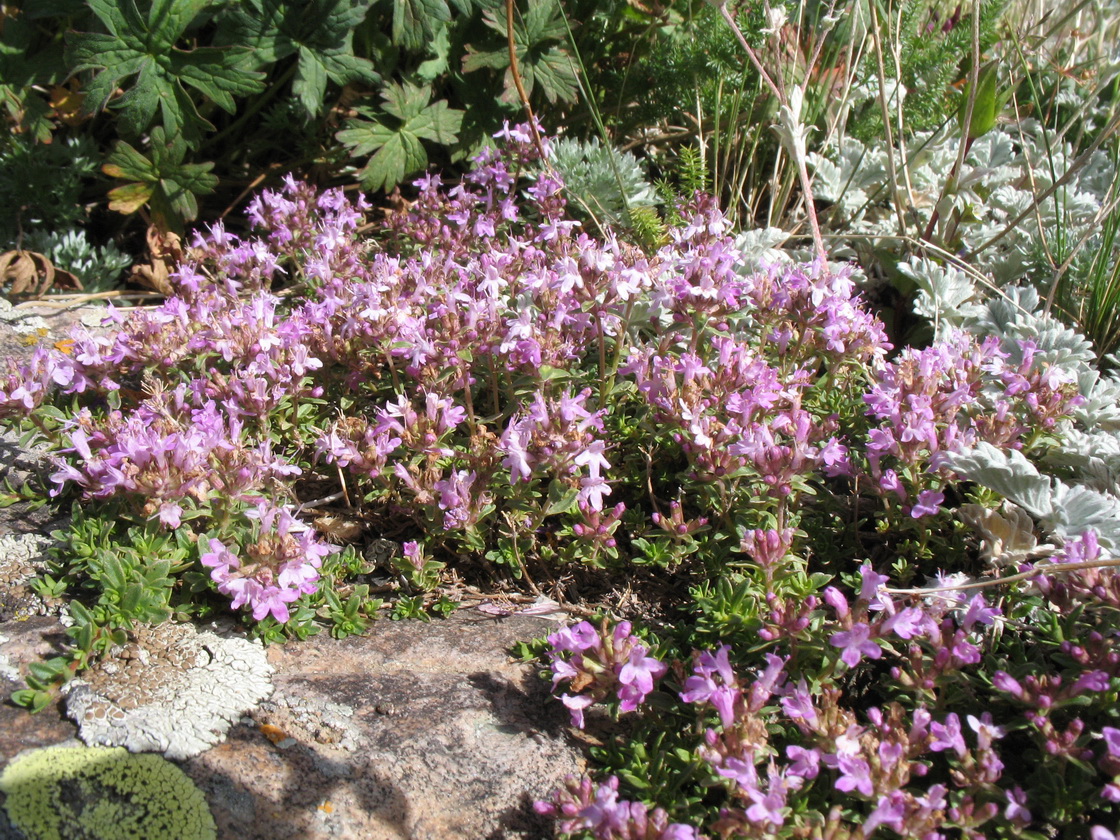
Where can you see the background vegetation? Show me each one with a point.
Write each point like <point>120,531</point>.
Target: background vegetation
<point>525,288</point>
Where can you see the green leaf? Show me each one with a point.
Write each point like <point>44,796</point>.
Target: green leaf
<point>162,180</point>
<point>32,700</point>
<point>561,498</point>
<point>440,50</point>
<point>320,32</point>
<point>20,70</point>
<point>142,51</point>
<point>397,152</point>
<point>540,60</point>
<point>989,102</point>
<point>416,21</point>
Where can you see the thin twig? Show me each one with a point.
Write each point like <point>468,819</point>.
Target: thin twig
<point>966,129</point>
<point>1045,568</point>
<point>893,174</point>
<point>516,74</point>
<point>798,156</point>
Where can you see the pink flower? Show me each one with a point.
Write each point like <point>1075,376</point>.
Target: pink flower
<point>947,736</point>
<point>929,503</point>
<point>856,644</point>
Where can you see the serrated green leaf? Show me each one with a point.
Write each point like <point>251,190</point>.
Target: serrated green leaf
<point>440,50</point>
<point>402,154</point>
<point>162,180</point>
<point>125,162</point>
<point>438,122</point>
<point>143,51</point>
<point>415,21</point>
<point>541,60</point>
<point>310,82</point>
<point>364,137</point>
<point>321,32</point>
<point>398,151</point>
<point>406,101</point>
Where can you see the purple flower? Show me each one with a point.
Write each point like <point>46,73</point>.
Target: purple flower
<point>768,807</point>
<point>929,503</point>
<point>890,811</point>
<point>1111,740</point>
<point>1005,682</point>
<point>855,774</point>
<point>575,639</point>
<point>575,705</point>
<point>637,677</point>
<point>835,599</point>
<point>703,686</point>
<point>909,623</point>
<point>805,762</point>
<point>947,736</point>
<point>1016,810</point>
<point>856,643</point>
<point>798,704</point>
<point>872,591</point>
<point>978,611</point>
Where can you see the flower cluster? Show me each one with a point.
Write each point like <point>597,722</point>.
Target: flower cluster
<point>598,663</point>
<point>278,567</point>
<point>949,396</point>
<point>582,805</point>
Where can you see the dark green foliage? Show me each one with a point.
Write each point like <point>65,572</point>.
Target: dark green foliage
<point>41,186</point>
<point>142,53</point>
<point>185,99</point>
<point>936,50</point>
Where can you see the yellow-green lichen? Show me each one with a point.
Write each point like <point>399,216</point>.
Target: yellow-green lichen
<point>101,793</point>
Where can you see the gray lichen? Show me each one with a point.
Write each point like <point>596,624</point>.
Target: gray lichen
<point>22,558</point>
<point>64,792</point>
<point>311,720</point>
<point>173,690</point>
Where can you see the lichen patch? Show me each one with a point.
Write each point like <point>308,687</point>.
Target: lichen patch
<point>102,793</point>
<point>172,689</point>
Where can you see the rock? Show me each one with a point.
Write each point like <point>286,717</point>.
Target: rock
<point>65,792</point>
<point>410,731</point>
<point>413,730</point>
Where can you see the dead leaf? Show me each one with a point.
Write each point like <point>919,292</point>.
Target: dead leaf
<point>1007,534</point>
<point>166,251</point>
<point>67,101</point>
<point>32,274</point>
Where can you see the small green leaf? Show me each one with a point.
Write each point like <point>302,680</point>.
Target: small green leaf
<point>988,104</point>
<point>32,699</point>
<point>561,498</point>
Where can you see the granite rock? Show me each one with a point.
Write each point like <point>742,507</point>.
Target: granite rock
<point>413,730</point>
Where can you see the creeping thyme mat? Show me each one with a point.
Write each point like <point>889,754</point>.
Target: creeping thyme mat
<point>884,576</point>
